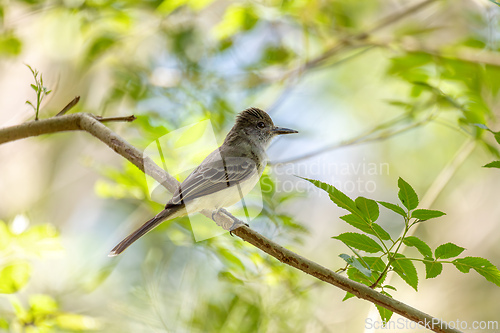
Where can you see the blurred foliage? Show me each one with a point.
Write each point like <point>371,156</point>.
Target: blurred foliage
<point>44,315</point>
<point>10,45</point>
<point>179,62</point>
<point>20,246</point>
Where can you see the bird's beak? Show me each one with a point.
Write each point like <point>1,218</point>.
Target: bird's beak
<point>282,130</point>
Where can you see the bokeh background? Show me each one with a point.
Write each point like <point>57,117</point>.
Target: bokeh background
<point>377,89</point>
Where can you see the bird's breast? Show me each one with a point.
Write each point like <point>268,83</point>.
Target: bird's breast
<point>226,197</point>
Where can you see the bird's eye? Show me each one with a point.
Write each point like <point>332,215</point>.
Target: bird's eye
<point>261,124</point>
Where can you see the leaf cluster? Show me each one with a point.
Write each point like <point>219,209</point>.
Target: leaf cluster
<point>375,240</point>
<point>40,90</point>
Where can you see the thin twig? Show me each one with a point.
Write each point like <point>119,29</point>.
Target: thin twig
<point>89,123</point>
<point>69,106</point>
<point>391,19</point>
<point>447,173</point>
<point>466,54</point>
<point>116,119</point>
<point>292,83</point>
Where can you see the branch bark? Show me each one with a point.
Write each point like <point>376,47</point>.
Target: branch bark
<point>92,125</point>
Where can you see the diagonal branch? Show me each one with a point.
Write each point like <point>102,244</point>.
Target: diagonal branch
<point>391,19</point>
<point>90,124</point>
<point>358,40</point>
<point>412,45</point>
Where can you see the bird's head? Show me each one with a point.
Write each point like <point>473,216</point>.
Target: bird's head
<point>258,126</point>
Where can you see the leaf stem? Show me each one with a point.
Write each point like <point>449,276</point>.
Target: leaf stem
<point>427,260</point>
<point>391,258</point>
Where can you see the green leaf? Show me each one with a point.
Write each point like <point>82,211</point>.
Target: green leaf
<point>421,246</point>
<point>395,208</point>
<point>369,228</point>
<point>494,164</point>
<point>390,287</point>
<point>410,67</point>
<point>276,55</point>
<point>385,314</point>
<point>14,276</point>
<point>448,250</point>
<point>480,265</point>
<point>368,207</point>
<point>347,296</point>
<point>380,231</point>
<point>354,262</point>
<point>339,198</point>
<point>355,275</point>
<point>497,137</point>
<point>31,69</point>
<point>407,194</point>
<point>359,241</point>
<point>376,264</point>
<point>10,45</point>
<point>406,270</point>
<point>426,214</point>
<point>35,88</point>
<point>237,18</point>
<point>432,269</point>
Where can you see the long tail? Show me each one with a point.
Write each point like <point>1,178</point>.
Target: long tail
<point>144,229</point>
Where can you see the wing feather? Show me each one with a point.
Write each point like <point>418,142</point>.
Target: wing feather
<point>213,175</point>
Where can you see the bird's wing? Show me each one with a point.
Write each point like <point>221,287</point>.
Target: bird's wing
<point>213,175</point>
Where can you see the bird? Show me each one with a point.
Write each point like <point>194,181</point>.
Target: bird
<point>224,177</point>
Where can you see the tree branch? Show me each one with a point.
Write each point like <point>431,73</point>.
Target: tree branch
<point>90,124</point>
<point>69,106</point>
<point>390,19</point>
<point>412,45</point>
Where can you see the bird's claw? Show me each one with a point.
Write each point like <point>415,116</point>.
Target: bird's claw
<point>235,226</point>
<point>236,223</point>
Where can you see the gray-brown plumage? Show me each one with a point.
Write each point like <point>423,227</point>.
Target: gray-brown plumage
<point>224,177</point>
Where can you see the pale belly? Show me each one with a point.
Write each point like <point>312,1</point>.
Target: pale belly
<point>223,198</point>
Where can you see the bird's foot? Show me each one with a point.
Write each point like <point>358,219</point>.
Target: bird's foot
<point>236,222</point>
<point>236,226</point>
